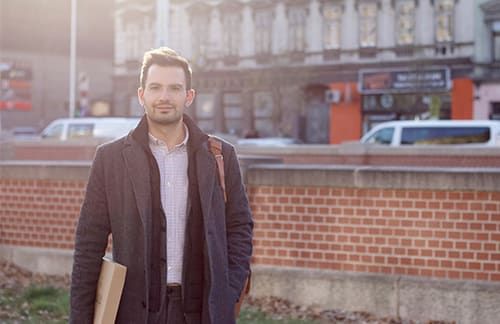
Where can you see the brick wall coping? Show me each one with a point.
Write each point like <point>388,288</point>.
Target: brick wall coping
<point>50,170</point>
<point>299,175</point>
<point>317,175</point>
<point>365,149</point>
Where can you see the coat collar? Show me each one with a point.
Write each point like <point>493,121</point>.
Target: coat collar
<point>137,151</point>
<point>140,135</point>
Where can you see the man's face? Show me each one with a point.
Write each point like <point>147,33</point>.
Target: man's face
<point>165,95</point>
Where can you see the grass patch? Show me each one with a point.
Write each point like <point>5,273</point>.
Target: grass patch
<point>34,304</point>
<point>47,304</point>
<point>254,316</point>
<point>47,299</point>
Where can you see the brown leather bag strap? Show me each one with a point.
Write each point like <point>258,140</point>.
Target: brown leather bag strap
<point>216,149</point>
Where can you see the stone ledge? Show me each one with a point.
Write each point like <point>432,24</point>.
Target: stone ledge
<point>51,170</point>
<point>39,260</point>
<point>393,177</point>
<point>414,298</point>
<point>356,148</point>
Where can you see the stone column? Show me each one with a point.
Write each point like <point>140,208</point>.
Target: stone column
<point>385,22</point>
<point>280,28</point>
<point>247,32</point>
<point>119,40</point>
<point>219,123</point>
<point>315,30</point>
<point>350,26</point>
<point>424,23</point>
<point>215,43</point>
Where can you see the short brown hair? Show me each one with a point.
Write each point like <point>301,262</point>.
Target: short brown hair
<point>164,56</point>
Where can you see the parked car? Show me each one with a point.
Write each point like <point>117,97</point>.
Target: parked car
<point>64,129</point>
<point>231,138</point>
<point>267,141</point>
<point>23,133</point>
<point>435,132</point>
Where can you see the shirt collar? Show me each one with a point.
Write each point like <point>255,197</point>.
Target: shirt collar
<point>157,142</point>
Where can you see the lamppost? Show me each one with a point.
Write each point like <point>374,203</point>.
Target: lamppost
<point>72,61</point>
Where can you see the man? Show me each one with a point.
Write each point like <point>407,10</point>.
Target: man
<point>157,191</point>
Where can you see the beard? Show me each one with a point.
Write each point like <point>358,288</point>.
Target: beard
<point>164,118</point>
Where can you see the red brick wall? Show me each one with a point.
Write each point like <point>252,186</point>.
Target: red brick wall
<point>447,233</point>
<point>39,213</point>
<point>432,233</point>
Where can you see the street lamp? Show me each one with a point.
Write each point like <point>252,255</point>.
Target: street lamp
<point>72,61</point>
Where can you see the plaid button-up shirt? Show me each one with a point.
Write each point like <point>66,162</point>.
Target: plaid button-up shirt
<point>173,165</point>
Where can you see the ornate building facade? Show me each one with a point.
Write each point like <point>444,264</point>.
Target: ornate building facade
<point>323,71</point>
<point>486,74</point>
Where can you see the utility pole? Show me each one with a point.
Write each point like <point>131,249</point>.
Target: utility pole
<point>72,61</point>
<point>162,22</point>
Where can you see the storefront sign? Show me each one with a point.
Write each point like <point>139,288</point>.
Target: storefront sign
<point>15,87</point>
<point>404,81</point>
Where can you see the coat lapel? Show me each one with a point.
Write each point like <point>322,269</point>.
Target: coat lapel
<point>205,170</point>
<point>138,171</point>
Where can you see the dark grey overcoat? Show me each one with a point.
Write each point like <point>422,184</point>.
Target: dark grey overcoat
<point>118,201</point>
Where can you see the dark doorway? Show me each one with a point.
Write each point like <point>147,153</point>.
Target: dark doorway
<point>317,113</point>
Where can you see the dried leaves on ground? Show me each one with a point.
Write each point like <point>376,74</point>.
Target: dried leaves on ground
<point>32,298</point>
<point>14,277</point>
<point>15,281</point>
<point>282,309</point>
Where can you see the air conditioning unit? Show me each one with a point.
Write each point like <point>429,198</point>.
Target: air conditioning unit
<point>332,96</point>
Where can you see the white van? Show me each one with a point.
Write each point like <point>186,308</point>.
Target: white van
<point>64,129</point>
<point>435,132</point>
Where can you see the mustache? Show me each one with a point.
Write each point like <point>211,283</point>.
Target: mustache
<point>164,104</point>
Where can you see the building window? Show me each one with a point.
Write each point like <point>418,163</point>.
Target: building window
<point>231,33</point>
<point>205,112</point>
<point>332,20</point>
<point>367,24</point>
<point>444,19</point>
<point>405,22</point>
<point>233,112</point>
<point>200,38</point>
<point>495,34</point>
<point>199,21</point>
<point>134,32</point>
<point>132,42</point>
<point>263,31</point>
<point>263,112</point>
<point>296,28</point>
<point>495,111</point>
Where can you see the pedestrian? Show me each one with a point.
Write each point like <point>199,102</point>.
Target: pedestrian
<point>185,239</point>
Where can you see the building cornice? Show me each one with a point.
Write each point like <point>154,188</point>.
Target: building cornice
<point>199,8</point>
<point>261,4</point>
<point>491,10</point>
<point>127,7</point>
<point>230,5</point>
